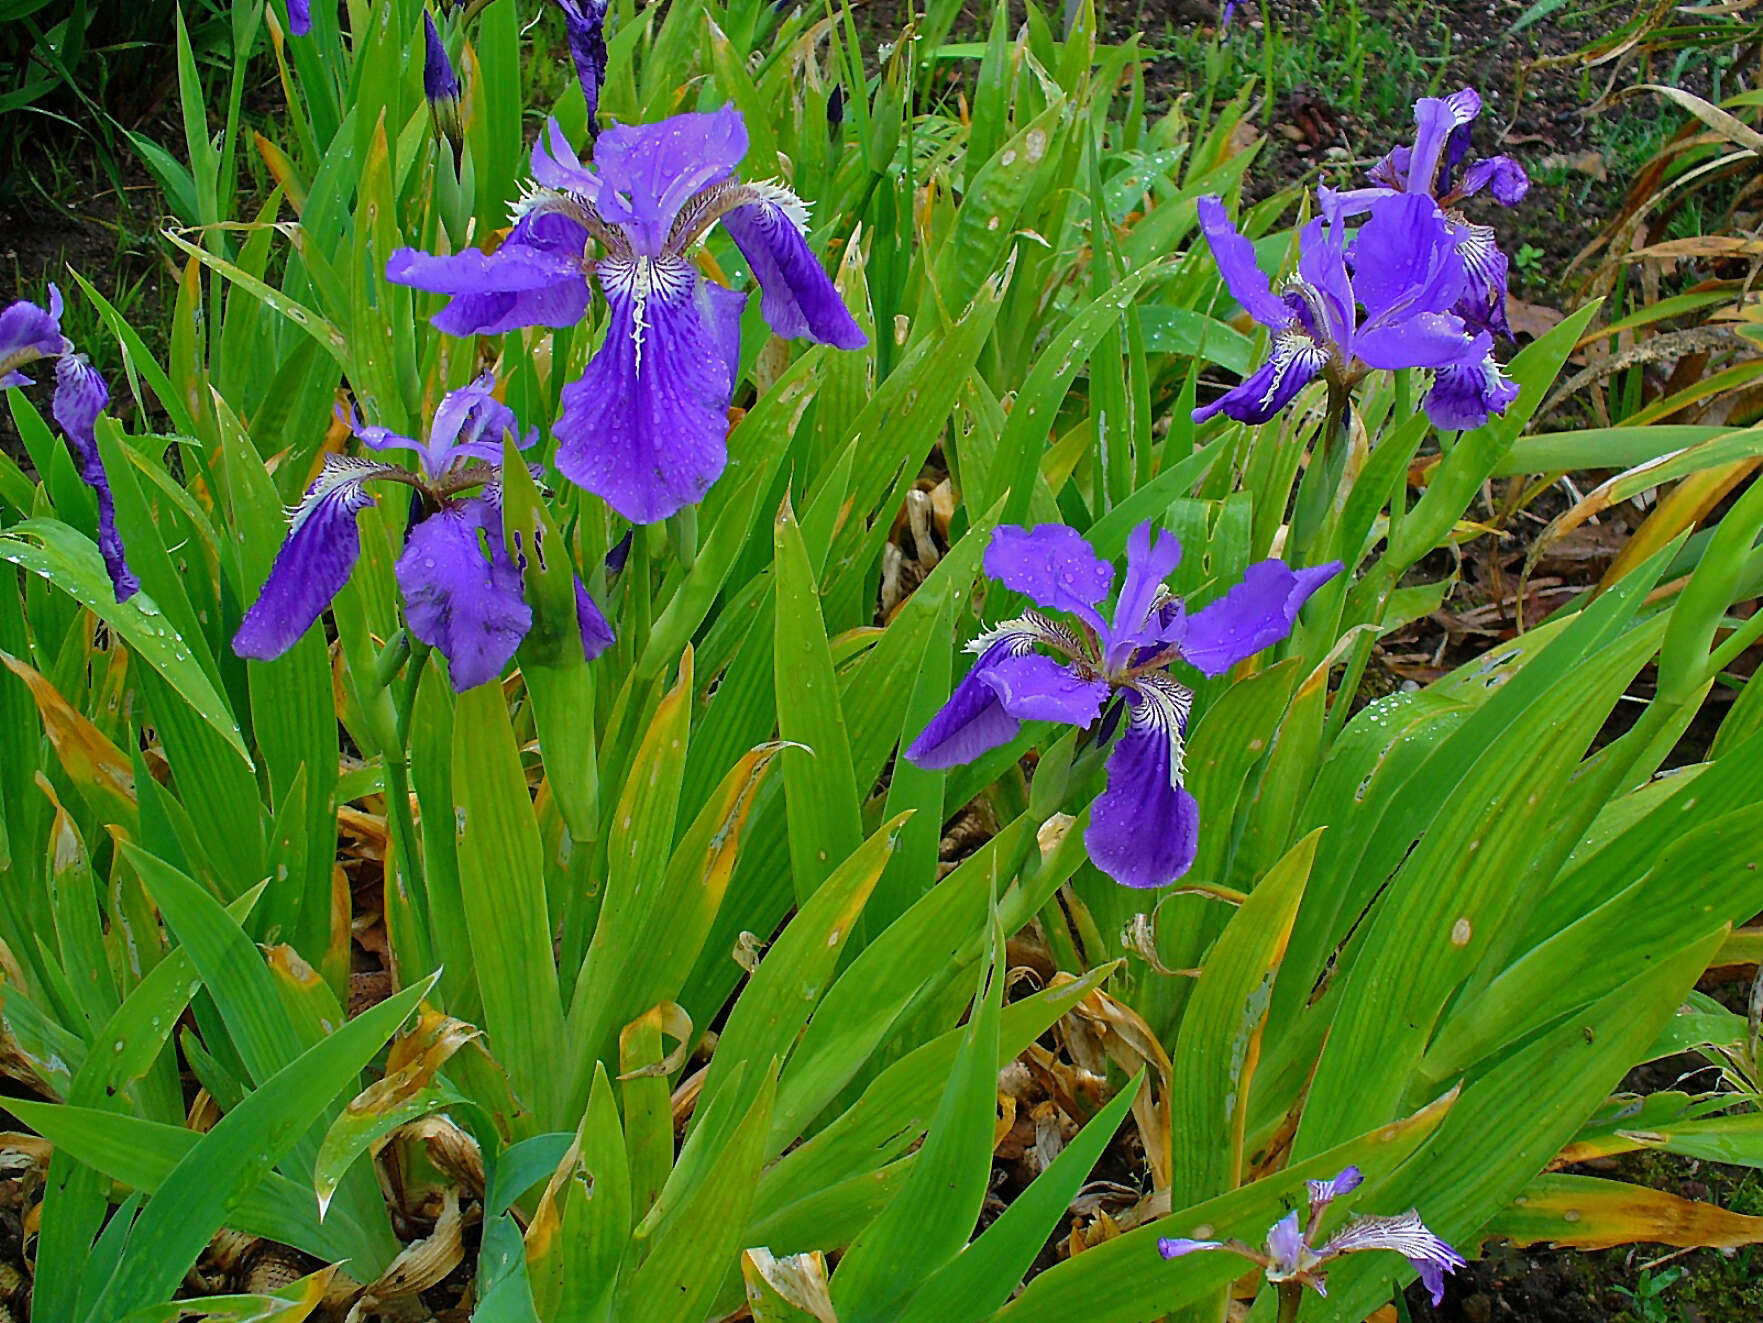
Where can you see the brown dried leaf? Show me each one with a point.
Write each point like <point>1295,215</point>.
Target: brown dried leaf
<point>1588,1212</point>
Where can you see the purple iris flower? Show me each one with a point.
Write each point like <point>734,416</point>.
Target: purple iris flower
<point>1144,826</point>
<point>645,426</point>
<point>461,588</point>
<point>29,333</point>
<point>440,85</point>
<point>1404,270</point>
<point>1292,1255</point>
<point>585,23</point>
<point>1437,165</point>
<point>299,17</point>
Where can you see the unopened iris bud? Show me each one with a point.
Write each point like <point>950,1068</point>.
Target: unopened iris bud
<point>585,21</point>
<point>441,86</point>
<point>835,108</point>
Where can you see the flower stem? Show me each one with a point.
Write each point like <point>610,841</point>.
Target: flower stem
<point>1316,490</point>
<point>1291,1295</point>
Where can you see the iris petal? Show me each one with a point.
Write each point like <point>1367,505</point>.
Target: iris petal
<point>1253,615</point>
<point>973,721</point>
<point>1051,565</point>
<point>1151,557</point>
<point>1465,395</point>
<point>648,171</point>
<point>1404,1234</point>
<point>1295,361</point>
<point>534,279</point>
<point>1033,687</point>
<point>1144,827</point>
<point>462,591</point>
<point>646,425</point>
<point>80,396</point>
<point>1235,256</point>
<point>596,630</point>
<point>797,299</point>
<point>314,561</point>
<point>27,333</point>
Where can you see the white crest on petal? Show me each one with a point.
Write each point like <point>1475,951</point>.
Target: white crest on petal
<point>774,193</point>
<point>341,483</point>
<point>1164,706</point>
<point>639,279</point>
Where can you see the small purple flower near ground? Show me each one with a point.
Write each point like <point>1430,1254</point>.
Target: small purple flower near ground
<point>462,589</point>
<point>646,424</point>
<point>1144,826</point>
<point>1292,1259</point>
<point>28,334</point>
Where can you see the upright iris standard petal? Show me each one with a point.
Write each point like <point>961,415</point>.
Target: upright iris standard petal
<point>1436,120</point>
<point>462,591</point>
<point>1145,827</point>
<point>973,721</point>
<point>27,333</point>
<point>1034,687</point>
<point>1052,566</point>
<point>648,172</point>
<point>585,22</point>
<point>1408,275</point>
<point>645,426</point>
<point>797,299</point>
<point>1174,1247</point>
<point>538,277</point>
<point>1323,1193</point>
<point>80,396</point>
<point>314,561</point>
<point>1286,1250</point>
<point>1255,614</point>
<point>1405,1234</point>
<point>1466,395</point>
<point>469,423</point>
<point>1151,557</point>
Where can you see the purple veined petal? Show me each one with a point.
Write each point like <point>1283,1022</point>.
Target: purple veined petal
<point>1173,1247</point>
<point>648,171</point>
<point>1255,614</point>
<point>1403,1234</point>
<point>1467,394</point>
<point>1034,687</point>
<point>1483,305</point>
<point>299,17</point>
<point>1052,566</point>
<point>462,591</point>
<point>1435,118</point>
<point>1322,268</point>
<point>797,297</point>
<point>1422,339</point>
<point>1405,262</point>
<point>1151,557</point>
<point>469,423</point>
<point>1145,827</point>
<point>646,425</point>
<point>1500,175</point>
<point>80,396</point>
<point>596,630</point>
<point>314,560</point>
<point>27,333</point>
<point>1235,256</point>
<point>1286,1248</point>
<point>585,22</point>
<point>974,721</point>
<point>1296,360</point>
<point>536,278</point>
<point>1323,1193</point>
